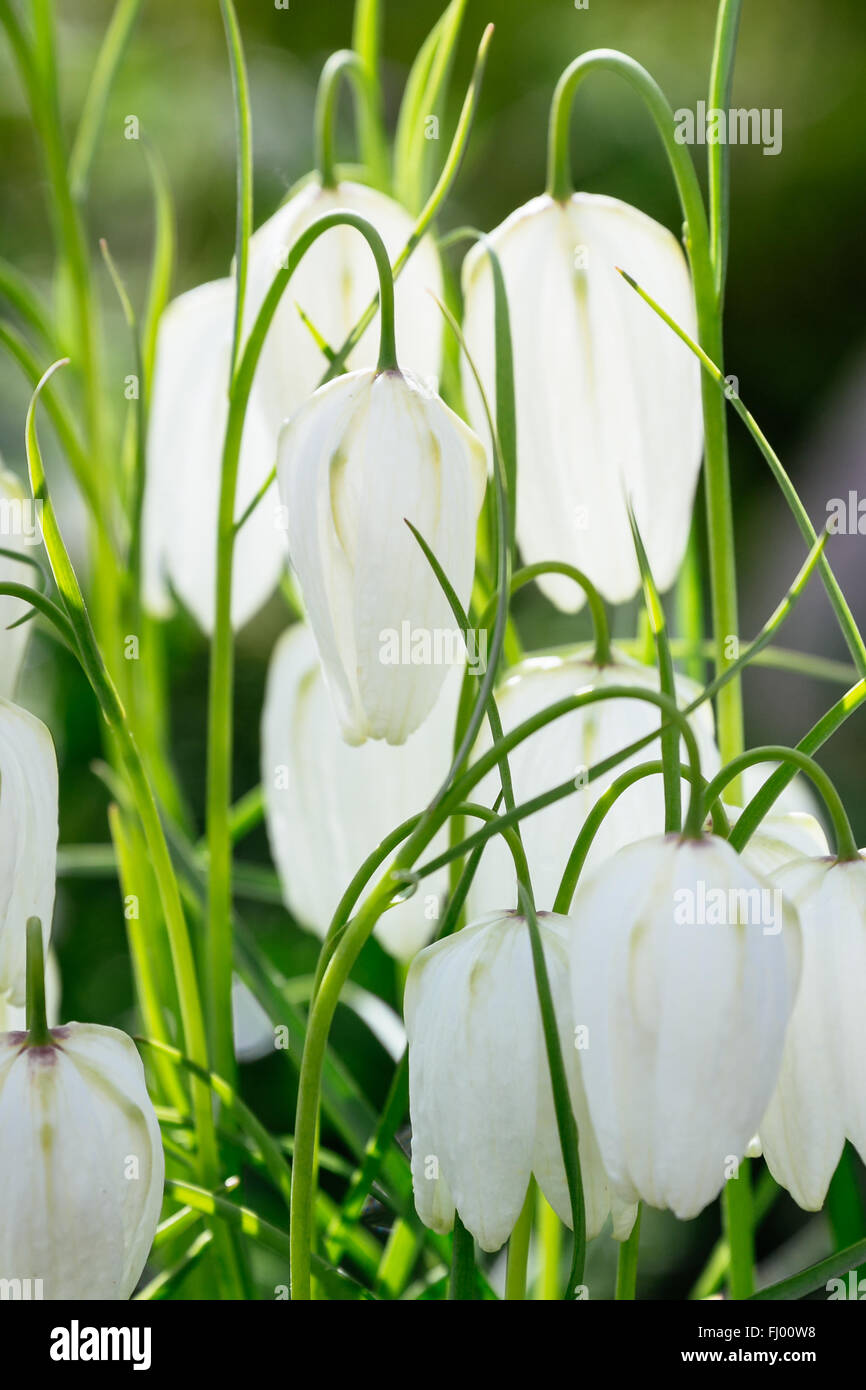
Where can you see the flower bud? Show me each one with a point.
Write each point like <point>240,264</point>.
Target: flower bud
<point>81,1163</point>
<point>481,1103</point>
<point>570,745</point>
<point>366,453</point>
<point>608,399</point>
<point>188,418</point>
<point>327,805</point>
<point>333,285</point>
<point>820,1099</point>
<point>684,969</point>
<point>28,840</point>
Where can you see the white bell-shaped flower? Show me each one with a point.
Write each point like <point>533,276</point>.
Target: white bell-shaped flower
<point>333,285</point>
<point>481,1102</point>
<point>28,840</point>
<point>366,453</point>
<point>684,969</point>
<point>19,532</point>
<point>81,1163</point>
<point>328,805</point>
<point>820,1099</point>
<point>569,746</point>
<point>608,399</point>
<point>188,415</point>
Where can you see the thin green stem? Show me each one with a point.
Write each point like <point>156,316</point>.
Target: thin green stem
<point>846,845</point>
<point>518,1249</point>
<point>221,689</point>
<point>718,494</point>
<point>626,1265</point>
<point>344,63</point>
<point>738,1223</point>
<point>38,1034</point>
<point>718,152</point>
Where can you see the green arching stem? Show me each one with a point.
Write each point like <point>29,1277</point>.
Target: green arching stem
<point>817,736</point>
<point>718,492</point>
<point>38,1034</point>
<point>605,804</point>
<point>462,1282</point>
<point>346,63</point>
<point>846,845</point>
<point>220,729</point>
<point>601,630</point>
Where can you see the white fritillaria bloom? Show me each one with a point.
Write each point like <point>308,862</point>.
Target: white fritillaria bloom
<point>81,1163</point>
<point>568,747</point>
<point>684,968</point>
<point>608,399</point>
<point>820,1099</point>
<point>366,453</point>
<point>188,418</point>
<point>328,805</point>
<point>28,839</point>
<point>480,1098</point>
<point>18,532</point>
<point>333,285</point>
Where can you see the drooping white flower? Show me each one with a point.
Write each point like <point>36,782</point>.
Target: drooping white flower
<point>820,1099</point>
<point>568,747</point>
<point>608,399</point>
<point>333,285</point>
<point>363,455</point>
<point>18,532</point>
<point>479,1086</point>
<point>28,839</point>
<point>684,969</point>
<point>188,415</point>
<point>81,1163</point>
<point>328,805</point>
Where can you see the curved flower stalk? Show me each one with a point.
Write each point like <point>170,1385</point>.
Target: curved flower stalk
<point>328,806</point>
<point>573,744</point>
<point>332,288</point>
<point>362,456</point>
<point>188,419</point>
<point>81,1162</point>
<point>608,402</point>
<point>17,534</point>
<point>684,969</point>
<point>798,796</point>
<point>481,1104</point>
<point>820,1099</point>
<point>28,839</point>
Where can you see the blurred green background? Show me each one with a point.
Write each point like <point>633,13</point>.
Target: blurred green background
<point>795,339</point>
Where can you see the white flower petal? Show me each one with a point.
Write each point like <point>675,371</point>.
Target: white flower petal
<point>364,454</point>
<point>81,1164</point>
<point>329,805</point>
<point>608,400</point>
<point>188,419</point>
<point>28,840</point>
<point>567,746</point>
<point>686,1018</point>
